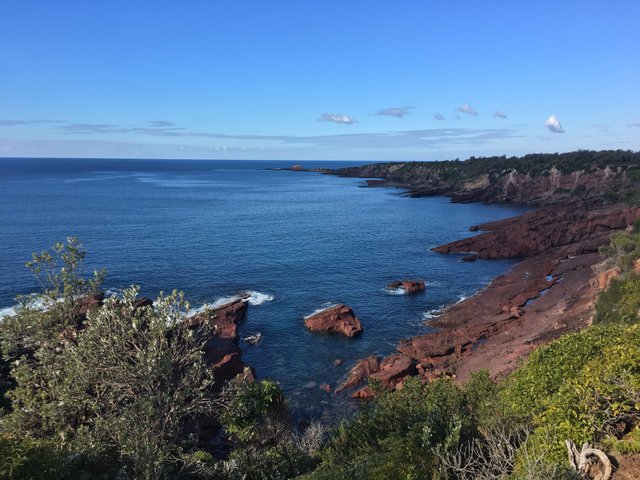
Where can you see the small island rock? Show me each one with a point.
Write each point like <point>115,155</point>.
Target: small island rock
<point>337,318</point>
<point>409,286</point>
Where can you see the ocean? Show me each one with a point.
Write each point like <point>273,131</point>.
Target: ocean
<point>298,241</point>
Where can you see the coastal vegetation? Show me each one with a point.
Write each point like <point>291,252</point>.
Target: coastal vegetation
<point>607,176</point>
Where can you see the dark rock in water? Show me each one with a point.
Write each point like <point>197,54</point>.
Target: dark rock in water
<point>409,286</point>
<point>325,387</point>
<point>474,228</point>
<point>338,319</point>
<point>470,258</point>
<point>337,362</point>
<point>376,183</point>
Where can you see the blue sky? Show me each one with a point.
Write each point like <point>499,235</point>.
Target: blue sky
<point>405,80</point>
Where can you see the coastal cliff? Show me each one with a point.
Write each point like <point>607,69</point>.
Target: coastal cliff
<point>533,180</point>
<point>579,200</point>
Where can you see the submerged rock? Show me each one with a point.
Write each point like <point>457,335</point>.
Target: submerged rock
<point>336,319</point>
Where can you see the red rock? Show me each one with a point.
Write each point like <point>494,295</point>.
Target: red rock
<point>87,304</point>
<point>227,368</point>
<point>364,393</point>
<point>358,374</point>
<point>224,318</point>
<point>337,362</point>
<point>409,286</point>
<point>603,279</point>
<point>393,369</point>
<point>221,350</point>
<point>325,387</point>
<point>297,168</point>
<point>338,318</point>
<point>538,231</point>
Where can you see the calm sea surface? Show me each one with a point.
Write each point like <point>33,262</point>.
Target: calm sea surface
<point>298,241</point>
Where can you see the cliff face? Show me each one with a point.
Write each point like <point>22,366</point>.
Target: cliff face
<point>596,177</point>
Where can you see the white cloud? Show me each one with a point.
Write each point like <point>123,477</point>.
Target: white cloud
<point>468,109</point>
<point>336,118</point>
<point>439,116</point>
<point>554,125</point>
<point>498,114</point>
<point>397,112</point>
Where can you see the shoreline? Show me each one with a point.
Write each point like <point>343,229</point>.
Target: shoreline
<point>549,292</point>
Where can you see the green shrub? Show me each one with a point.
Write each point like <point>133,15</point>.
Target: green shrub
<point>125,383</point>
<point>400,434</point>
<point>620,303</point>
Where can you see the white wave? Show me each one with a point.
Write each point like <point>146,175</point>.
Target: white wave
<point>251,296</point>
<point>461,298</point>
<point>324,307</point>
<point>7,312</point>
<point>258,298</point>
<point>395,291</point>
<point>433,313</point>
<point>34,301</point>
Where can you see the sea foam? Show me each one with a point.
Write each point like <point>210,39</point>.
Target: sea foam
<point>254,298</point>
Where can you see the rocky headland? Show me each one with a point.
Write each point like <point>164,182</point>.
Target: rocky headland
<point>578,200</point>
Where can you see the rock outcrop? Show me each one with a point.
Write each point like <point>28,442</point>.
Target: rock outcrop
<point>532,233</point>
<point>335,319</point>
<point>389,371</point>
<point>408,286</point>
<point>222,351</point>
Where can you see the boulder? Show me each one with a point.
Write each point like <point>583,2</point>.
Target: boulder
<point>336,319</point>
<point>365,393</point>
<point>409,286</point>
<point>362,371</point>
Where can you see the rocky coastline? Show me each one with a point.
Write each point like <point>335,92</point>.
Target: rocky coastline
<point>549,292</point>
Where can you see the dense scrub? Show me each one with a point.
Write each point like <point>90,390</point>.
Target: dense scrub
<point>532,164</point>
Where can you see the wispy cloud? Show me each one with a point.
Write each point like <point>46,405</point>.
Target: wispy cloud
<point>10,123</point>
<point>161,123</point>
<point>468,109</point>
<point>336,118</point>
<point>397,112</point>
<point>554,125</point>
<point>418,140</point>
<point>636,124</point>
<point>499,114</point>
<point>439,116</point>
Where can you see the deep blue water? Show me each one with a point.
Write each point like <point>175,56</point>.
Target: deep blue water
<point>214,228</point>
